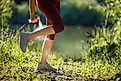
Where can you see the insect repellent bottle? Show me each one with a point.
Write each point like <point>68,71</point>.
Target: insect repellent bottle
<point>39,25</point>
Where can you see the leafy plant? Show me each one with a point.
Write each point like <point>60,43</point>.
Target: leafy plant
<point>103,58</point>
<point>5,12</point>
<point>105,43</point>
<point>112,10</point>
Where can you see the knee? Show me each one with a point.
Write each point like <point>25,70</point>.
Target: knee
<point>59,28</point>
<point>51,37</point>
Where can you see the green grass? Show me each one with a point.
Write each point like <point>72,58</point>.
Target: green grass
<point>18,66</point>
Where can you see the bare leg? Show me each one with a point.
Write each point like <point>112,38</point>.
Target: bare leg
<point>47,45</point>
<point>43,32</point>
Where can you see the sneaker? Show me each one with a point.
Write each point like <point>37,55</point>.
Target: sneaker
<point>23,41</point>
<point>51,68</point>
<point>45,66</point>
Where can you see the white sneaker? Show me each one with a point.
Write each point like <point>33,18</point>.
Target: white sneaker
<point>23,41</point>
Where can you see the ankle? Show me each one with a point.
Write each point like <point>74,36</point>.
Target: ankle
<point>43,62</point>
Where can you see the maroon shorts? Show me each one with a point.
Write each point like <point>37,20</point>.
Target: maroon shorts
<point>51,9</point>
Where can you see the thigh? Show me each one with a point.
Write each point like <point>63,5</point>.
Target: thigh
<point>50,10</point>
<point>57,5</point>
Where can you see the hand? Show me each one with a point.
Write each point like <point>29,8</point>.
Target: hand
<point>34,19</point>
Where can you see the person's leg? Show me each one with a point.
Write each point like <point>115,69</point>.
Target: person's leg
<point>49,40</point>
<point>46,48</point>
<point>25,37</point>
<point>43,32</point>
<point>48,43</point>
<point>51,9</point>
<point>48,8</point>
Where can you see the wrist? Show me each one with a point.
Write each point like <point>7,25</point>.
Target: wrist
<point>32,16</point>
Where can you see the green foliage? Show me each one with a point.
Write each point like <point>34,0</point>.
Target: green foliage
<point>16,65</point>
<point>112,11</point>
<point>101,60</point>
<point>103,54</point>
<point>103,57</point>
<point>5,12</point>
<point>71,14</point>
<point>20,1</point>
<point>20,14</point>
<point>80,13</point>
<point>105,44</point>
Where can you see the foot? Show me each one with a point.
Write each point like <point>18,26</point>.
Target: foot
<point>45,66</point>
<point>51,68</point>
<point>23,41</point>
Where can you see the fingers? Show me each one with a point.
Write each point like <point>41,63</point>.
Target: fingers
<point>34,20</point>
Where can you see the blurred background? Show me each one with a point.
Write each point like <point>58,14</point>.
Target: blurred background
<point>79,17</point>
